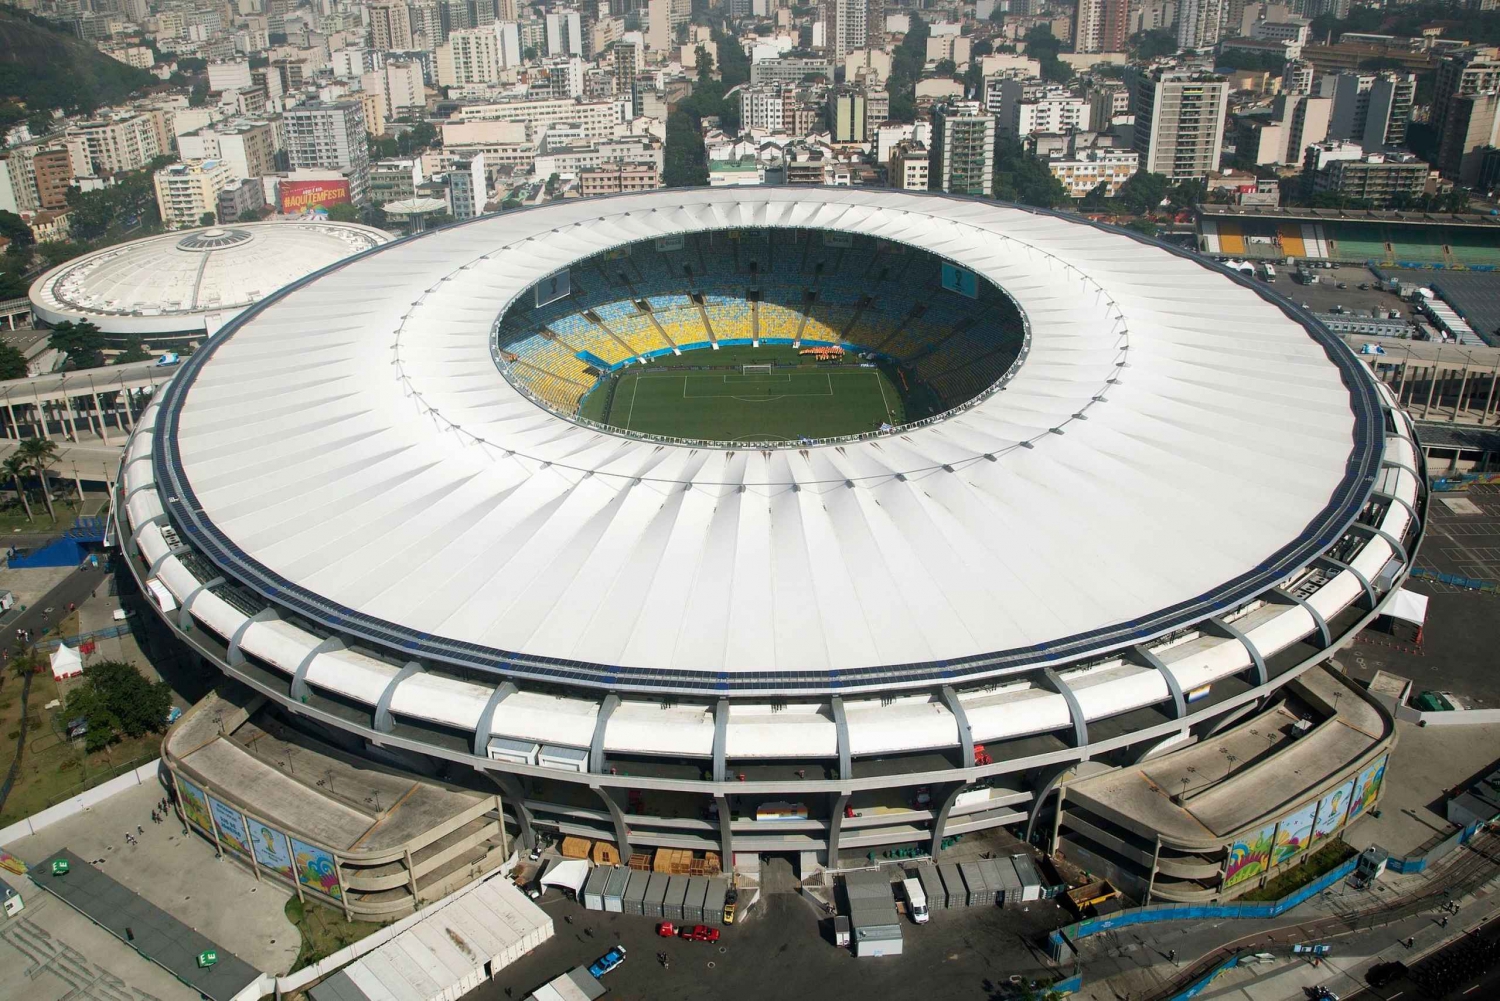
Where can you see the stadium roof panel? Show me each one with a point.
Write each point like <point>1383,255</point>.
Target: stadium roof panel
<point>192,281</point>
<point>350,449</point>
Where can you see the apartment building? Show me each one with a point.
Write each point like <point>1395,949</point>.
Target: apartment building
<point>1179,121</point>
<point>185,192</point>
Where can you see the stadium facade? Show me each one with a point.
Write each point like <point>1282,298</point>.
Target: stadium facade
<point>187,284</point>
<point>1158,522</point>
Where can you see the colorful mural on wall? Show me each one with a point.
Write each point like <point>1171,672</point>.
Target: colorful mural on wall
<point>195,806</point>
<point>1331,810</point>
<point>315,868</point>
<point>1294,833</point>
<point>1250,856</point>
<point>271,851</point>
<point>231,824</point>
<point>1366,789</point>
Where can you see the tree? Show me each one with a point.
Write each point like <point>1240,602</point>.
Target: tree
<point>705,64</point>
<point>14,229</point>
<point>1153,44</point>
<point>529,53</point>
<point>135,351</point>
<point>208,219</point>
<point>553,181</point>
<point>1044,46</point>
<point>15,468</point>
<point>685,158</point>
<point>907,63</point>
<point>1097,199</point>
<point>1021,177</point>
<point>344,212</point>
<point>40,454</point>
<point>1144,192</point>
<point>12,363</point>
<point>122,700</point>
<point>1188,193</point>
<point>83,342</point>
<point>1145,226</point>
<point>945,67</point>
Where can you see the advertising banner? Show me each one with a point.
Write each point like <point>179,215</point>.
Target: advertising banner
<point>271,849</point>
<point>1331,810</point>
<point>1366,789</point>
<point>1294,833</point>
<point>299,196</point>
<point>315,868</point>
<point>1250,856</point>
<point>960,280</point>
<point>195,806</point>
<point>231,824</point>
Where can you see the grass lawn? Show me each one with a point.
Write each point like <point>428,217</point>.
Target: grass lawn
<point>704,394</point>
<point>13,515</point>
<point>1327,858</point>
<point>324,931</point>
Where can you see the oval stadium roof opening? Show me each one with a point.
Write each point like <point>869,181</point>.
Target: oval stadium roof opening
<point>1098,441</point>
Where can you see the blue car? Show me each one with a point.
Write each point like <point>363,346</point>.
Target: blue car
<point>608,961</point>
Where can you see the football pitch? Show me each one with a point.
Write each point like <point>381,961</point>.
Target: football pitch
<point>724,405</point>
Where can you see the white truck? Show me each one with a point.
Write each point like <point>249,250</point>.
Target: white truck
<point>916,900</point>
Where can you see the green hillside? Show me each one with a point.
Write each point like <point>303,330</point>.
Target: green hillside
<point>43,68</point>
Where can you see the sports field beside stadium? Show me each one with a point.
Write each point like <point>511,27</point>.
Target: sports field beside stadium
<point>723,403</point>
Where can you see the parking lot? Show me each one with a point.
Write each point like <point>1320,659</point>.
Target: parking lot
<point>785,946</point>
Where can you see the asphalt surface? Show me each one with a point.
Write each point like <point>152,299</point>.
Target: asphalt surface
<point>1425,980</point>
<point>47,610</point>
<point>785,949</point>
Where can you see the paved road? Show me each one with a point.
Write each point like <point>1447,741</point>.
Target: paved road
<point>1415,984</point>
<point>74,588</point>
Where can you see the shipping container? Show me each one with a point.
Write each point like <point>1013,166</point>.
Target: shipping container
<point>713,904</point>
<point>980,894</point>
<point>614,890</point>
<point>932,885</point>
<point>521,752</point>
<point>1031,878</point>
<point>656,891</point>
<point>990,869</point>
<point>634,900</point>
<point>1010,884</point>
<point>692,904</point>
<point>677,887</point>
<point>868,885</point>
<point>593,890</point>
<point>953,882</point>
<point>567,759</point>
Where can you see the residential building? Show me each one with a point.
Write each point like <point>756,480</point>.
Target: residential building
<point>846,116</point>
<point>470,56</point>
<point>249,147</point>
<point>399,85</point>
<point>1022,108</point>
<point>468,188</point>
<point>185,192</point>
<point>125,141</point>
<point>51,226</point>
<point>627,64</point>
<point>393,180</point>
<point>1107,102</point>
<point>1464,116</point>
<point>564,33</point>
<point>1471,124</point>
<point>963,149</point>
<point>1198,23</point>
<point>1179,121</point>
<point>908,167</point>
<point>790,69</point>
<point>659,30</point>
<point>330,137</point>
<point>577,157</point>
<point>765,107</point>
<point>1370,109</point>
<point>612,179</point>
<point>1084,170</point>
<point>849,25</point>
<point>1380,179</point>
<point>248,194</point>
<point>1101,26</point>
<point>53,169</point>
<point>594,118</point>
<point>390,26</point>
<point>229,76</point>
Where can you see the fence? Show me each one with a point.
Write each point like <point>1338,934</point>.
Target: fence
<point>1454,580</point>
<point>1060,942</point>
<point>80,802</point>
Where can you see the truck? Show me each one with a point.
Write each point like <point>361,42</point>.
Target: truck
<point>1270,272</point>
<point>916,900</point>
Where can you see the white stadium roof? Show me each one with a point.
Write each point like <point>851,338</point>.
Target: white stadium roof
<point>192,280</point>
<point>1174,443</point>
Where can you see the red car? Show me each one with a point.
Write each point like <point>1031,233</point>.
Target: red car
<point>700,933</point>
<point>667,930</point>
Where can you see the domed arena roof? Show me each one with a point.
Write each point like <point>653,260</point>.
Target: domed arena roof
<point>1175,442</point>
<point>194,281</point>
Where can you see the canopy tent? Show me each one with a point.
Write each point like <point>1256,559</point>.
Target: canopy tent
<point>570,873</point>
<point>65,662</point>
<point>1408,606</point>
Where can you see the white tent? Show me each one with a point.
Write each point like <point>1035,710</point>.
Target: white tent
<point>571,873</point>
<point>65,662</point>
<point>1409,606</point>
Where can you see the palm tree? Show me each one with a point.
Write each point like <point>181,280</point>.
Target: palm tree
<point>40,454</point>
<point>15,467</point>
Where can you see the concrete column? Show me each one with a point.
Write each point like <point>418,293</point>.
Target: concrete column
<point>726,833</point>
<point>291,854</point>
<point>504,841</point>
<point>1401,377</point>
<point>67,411</point>
<point>125,406</point>
<point>1463,383</point>
<point>78,482</point>
<point>1490,396</point>
<point>940,818</point>
<point>103,422</point>
<point>622,829</point>
<point>838,801</point>
<point>41,412</point>
<point>1431,386</point>
<point>15,428</point>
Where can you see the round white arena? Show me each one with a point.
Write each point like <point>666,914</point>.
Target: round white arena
<point>189,283</point>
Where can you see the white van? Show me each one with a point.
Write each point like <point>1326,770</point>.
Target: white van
<point>916,900</point>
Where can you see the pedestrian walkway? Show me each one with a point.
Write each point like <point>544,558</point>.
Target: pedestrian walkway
<point>1138,961</point>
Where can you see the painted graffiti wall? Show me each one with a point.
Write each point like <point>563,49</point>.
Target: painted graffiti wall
<point>1366,789</point>
<point>315,868</point>
<point>231,824</point>
<point>1250,856</point>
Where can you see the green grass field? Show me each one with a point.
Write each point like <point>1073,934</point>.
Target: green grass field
<point>723,404</point>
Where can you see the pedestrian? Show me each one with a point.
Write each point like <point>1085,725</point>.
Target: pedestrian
<point>1411,940</point>
<point>1443,923</point>
<point>139,829</point>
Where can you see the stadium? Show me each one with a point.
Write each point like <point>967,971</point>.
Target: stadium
<point>933,516</point>
<point>180,286</point>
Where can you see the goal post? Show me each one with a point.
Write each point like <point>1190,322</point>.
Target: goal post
<point>756,369</point>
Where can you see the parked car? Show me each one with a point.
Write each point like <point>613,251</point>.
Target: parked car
<point>1384,973</point>
<point>1343,285</point>
<point>700,933</point>
<point>666,930</point>
<point>608,961</point>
